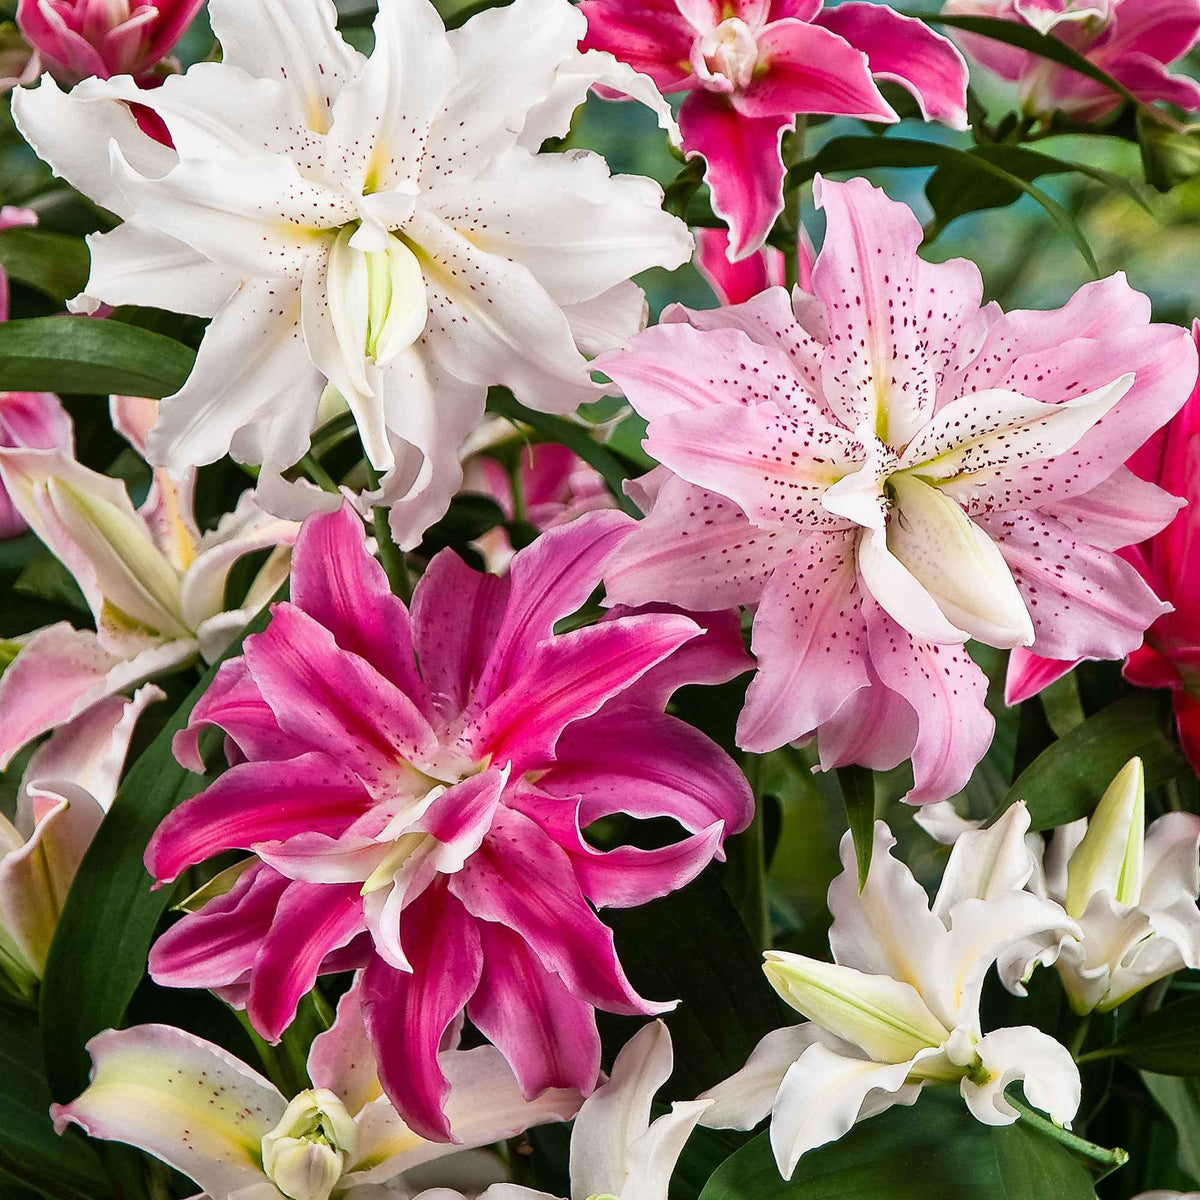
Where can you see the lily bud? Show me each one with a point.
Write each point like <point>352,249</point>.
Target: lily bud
<point>308,1151</point>
<point>376,300</point>
<point>1109,859</point>
<point>888,1020</point>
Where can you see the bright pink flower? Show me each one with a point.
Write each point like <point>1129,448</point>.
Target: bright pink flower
<point>752,65</point>
<point>1133,40</point>
<point>555,486</point>
<point>1170,564</point>
<point>79,38</point>
<point>30,420</point>
<point>425,823</point>
<point>885,469</point>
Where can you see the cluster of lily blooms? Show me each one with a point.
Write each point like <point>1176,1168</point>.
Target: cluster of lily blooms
<point>876,465</point>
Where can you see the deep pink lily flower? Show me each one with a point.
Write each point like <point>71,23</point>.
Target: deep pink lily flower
<point>737,282</point>
<point>751,66</point>
<point>80,38</point>
<point>1134,41</point>
<point>30,420</point>
<point>1170,564</point>
<point>885,469</point>
<point>425,822</point>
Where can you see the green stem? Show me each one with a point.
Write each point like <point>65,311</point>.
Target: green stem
<point>793,153</point>
<point>751,848</point>
<point>342,423</point>
<point>1079,1036</point>
<point>1106,1160</point>
<point>317,473</point>
<point>390,555</point>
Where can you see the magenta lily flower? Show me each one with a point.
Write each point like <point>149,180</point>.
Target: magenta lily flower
<point>885,470</point>
<point>80,38</point>
<point>751,66</point>
<point>1170,563</point>
<point>425,822</point>
<point>1134,41</point>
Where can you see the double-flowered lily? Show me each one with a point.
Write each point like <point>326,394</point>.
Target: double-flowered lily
<point>1133,41</point>
<point>750,66</point>
<point>415,791</point>
<point>78,38</point>
<point>385,225</point>
<point>898,1008</point>
<point>210,1116</point>
<point>1132,889</point>
<point>68,786</point>
<point>1170,563</point>
<point>154,583</point>
<point>885,469</point>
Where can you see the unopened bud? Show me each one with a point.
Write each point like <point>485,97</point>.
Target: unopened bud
<point>1109,859</point>
<point>309,1150</point>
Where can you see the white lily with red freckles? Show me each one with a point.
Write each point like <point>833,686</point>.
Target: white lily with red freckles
<point>199,1109</point>
<point>384,224</point>
<point>68,786</point>
<point>154,583</point>
<point>898,1008</point>
<point>407,774</point>
<point>1133,891</point>
<point>886,469</point>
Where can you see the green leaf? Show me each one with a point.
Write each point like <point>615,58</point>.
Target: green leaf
<point>1065,782</point>
<point>858,794</point>
<point>1166,1042</point>
<point>52,263</point>
<point>1025,37</point>
<point>98,955</point>
<point>31,1152</point>
<point>861,153</point>
<point>935,1149</point>
<point>957,188</point>
<point>692,946</point>
<point>82,356</point>
<point>1180,1100</point>
<point>574,437</point>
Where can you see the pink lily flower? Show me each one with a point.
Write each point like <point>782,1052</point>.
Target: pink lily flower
<point>154,582</point>
<point>80,38</point>
<point>1134,41</point>
<point>750,66</point>
<point>1170,655</point>
<point>885,470</point>
<point>398,814</point>
<point>205,1113</point>
<point>36,420</point>
<point>68,786</point>
<point>553,483</point>
<point>737,282</point>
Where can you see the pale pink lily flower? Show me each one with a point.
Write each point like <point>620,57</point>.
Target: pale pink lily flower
<point>1134,41</point>
<point>553,485</point>
<point>383,225</point>
<point>29,419</point>
<point>898,1008</point>
<point>68,786</point>
<point>749,66</point>
<point>617,1152</point>
<point>198,1108</point>
<point>1169,657</point>
<point>154,583</point>
<point>399,812</point>
<point>78,38</point>
<point>886,469</point>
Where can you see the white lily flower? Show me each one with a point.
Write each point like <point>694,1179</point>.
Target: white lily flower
<point>154,583</point>
<point>208,1115</point>
<point>1133,892</point>
<point>68,786</point>
<point>387,225</point>
<point>898,1008</point>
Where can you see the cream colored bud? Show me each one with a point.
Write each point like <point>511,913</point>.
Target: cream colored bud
<point>1109,859</point>
<point>310,1149</point>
